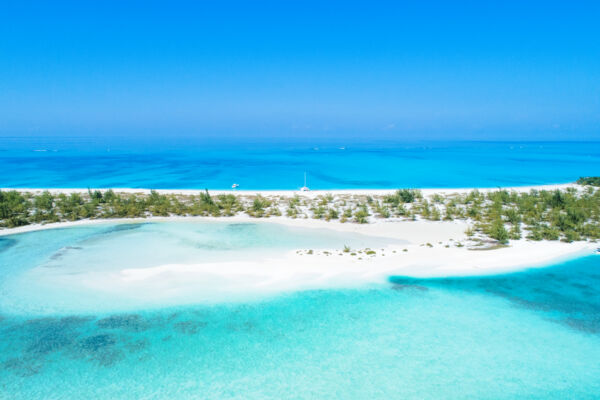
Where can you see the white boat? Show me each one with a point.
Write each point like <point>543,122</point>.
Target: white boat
<point>234,186</point>
<point>304,188</point>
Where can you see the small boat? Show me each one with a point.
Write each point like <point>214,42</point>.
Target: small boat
<point>304,188</point>
<point>234,186</point>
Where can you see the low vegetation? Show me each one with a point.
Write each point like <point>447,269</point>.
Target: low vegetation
<point>589,180</point>
<point>570,215</point>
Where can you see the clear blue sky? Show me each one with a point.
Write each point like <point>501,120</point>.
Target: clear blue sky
<point>416,70</point>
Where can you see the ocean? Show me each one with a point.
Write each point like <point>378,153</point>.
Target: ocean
<point>184,163</point>
<point>69,331</point>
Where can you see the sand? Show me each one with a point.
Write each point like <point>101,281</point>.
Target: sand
<point>310,194</point>
<point>432,249</point>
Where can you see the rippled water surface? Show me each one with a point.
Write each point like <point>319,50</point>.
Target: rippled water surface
<point>172,163</point>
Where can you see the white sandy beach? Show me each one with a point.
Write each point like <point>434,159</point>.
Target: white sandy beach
<point>430,249</point>
<point>310,194</point>
<point>180,283</point>
<point>339,270</point>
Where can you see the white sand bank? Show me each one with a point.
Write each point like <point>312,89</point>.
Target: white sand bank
<point>432,249</point>
<point>173,284</point>
<point>232,281</point>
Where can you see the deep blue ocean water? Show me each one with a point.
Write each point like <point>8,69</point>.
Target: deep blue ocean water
<point>181,163</point>
<point>533,334</point>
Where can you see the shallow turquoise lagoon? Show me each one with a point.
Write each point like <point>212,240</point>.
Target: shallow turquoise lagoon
<point>531,334</point>
<point>80,269</point>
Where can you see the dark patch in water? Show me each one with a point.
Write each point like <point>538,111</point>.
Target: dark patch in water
<point>586,326</point>
<point>172,316</point>
<point>41,337</point>
<point>189,327</point>
<point>50,342</point>
<point>125,227</point>
<point>47,335</point>
<point>97,342</point>
<point>243,225</point>
<point>402,287</point>
<point>581,286</point>
<point>528,304</point>
<point>6,243</point>
<point>136,346</point>
<point>130,322</point>
<point>75,320</point>
<point>568,294</point>
<point>50,323</point>
<point>60,253</point>
<point>100,348</point>
<point>23,367</point>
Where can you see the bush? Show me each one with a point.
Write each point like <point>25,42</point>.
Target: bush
<point>498,231</point>
<point>360,216</point>
<point>331,214</point>
<point>589,180</point>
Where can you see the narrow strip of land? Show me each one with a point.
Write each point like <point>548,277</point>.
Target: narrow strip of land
<point>446,231</point>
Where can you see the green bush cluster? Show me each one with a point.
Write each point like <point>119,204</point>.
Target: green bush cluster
<point>503,215</point>
<point>17,209</point>
<point>589,180</point>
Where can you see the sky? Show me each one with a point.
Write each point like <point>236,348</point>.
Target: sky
<point>484,70</point>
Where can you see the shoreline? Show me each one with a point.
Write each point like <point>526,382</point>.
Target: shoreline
<point>310,193</point>
<point>422,248</point>
<point>443,258</point>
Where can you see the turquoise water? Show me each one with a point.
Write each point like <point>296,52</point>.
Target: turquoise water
<point>176,163</point>
<point>531,334</point>
<point>79,269</point>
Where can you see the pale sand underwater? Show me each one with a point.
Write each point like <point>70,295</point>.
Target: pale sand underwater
<point>416,249</point>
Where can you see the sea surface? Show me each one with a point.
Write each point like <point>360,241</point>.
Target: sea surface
<point>533,334</point>
<point>192,163</point>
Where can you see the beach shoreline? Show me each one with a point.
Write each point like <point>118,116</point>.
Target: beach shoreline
<point>419,248</point>
<point>309,193</point>
<point>433,249</point>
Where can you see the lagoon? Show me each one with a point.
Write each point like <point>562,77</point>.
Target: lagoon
<point>483,339</point>
<point>528,334</point>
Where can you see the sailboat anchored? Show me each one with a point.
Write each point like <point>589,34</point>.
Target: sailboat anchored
<point>304,188</point>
